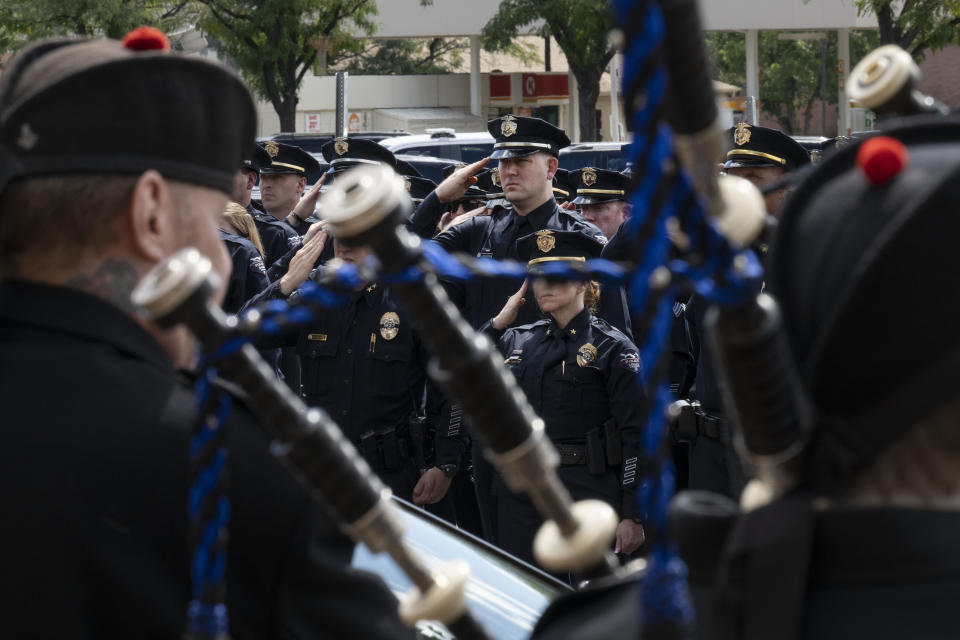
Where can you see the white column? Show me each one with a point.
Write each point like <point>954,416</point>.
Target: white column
<point>476,91</point>
<point>843,73</point>
<point>616,77</point>
<point>753,74</point>
<point>573,118</point>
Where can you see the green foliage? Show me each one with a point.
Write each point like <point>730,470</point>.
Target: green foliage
<point>275,42</point>
<point>409,56</point>
<point>580,28</point>
<point>790,70</point>
<point>25,20</point>
<point>915,25</point>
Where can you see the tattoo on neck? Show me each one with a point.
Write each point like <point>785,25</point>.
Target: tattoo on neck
<point>112,280</point>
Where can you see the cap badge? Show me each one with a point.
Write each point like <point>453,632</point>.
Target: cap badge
<point>508,126</point>
<point>586,355</point>
<point>341,146</point>
<point>272,148</point>
<point>589,176</point>
<point>495,176</point>
<point>407,184</point>
<point>546,241</point>
<point>389,325</point>
<point>742,135</point>
<point>28,139</point>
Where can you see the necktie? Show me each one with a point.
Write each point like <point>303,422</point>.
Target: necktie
<point>553,355</point>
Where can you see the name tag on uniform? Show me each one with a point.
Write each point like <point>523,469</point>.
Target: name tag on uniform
<point>514,357</point>
<point>317,337</point>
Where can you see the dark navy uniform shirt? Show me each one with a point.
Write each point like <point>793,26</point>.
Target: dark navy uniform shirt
<point>277,237</point>
<point>364,363</point>
<point>494,236</point>
<point>594,380</point>
<point>249,275</point>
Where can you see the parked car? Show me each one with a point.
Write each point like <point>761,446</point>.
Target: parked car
<point>443,143</point>
<point>428,166</point>
<point>599,155</point>
<point>505,595</point>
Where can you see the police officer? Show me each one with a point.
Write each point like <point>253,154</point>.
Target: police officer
<point>762,156</point>
<point>601,197</point>
<point>248,276</point>
<point>126,153</point>
<point>579,373</point>
<point>284,181</point>
<point>345,153</point>
<point>277,237</point>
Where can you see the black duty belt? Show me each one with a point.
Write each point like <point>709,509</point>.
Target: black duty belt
<point>708,425</point>
<point>572,454</point>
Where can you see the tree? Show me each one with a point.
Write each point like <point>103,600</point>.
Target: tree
<point>915,25</point>
<point>580,28</point>
<point>409,56</point>
<point>25,20</point>
<point>275,43</point>
<point>790,71</point>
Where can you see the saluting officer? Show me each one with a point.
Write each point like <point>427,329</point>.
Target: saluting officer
<point>277,238</point>
<point>283,182</point>
<point>580,375</point>
<point>248,276</point>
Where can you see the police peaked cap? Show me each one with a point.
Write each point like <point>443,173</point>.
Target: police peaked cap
<point>71,106</point>
<point>750,146</point>
<point>864,267</point>
<point>343,153</point>
<point>258,158</point>
<point>288,158</point>
<point>561,185</point>
<point>543,247</point>
<point>419,187</point>
<point>517,136</point>
<point>595,186</point>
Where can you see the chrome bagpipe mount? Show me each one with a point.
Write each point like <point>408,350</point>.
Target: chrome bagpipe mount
<point>367,206</point>
<point>181,291</point>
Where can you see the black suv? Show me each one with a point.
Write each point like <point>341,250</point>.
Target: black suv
<point>599,155</point>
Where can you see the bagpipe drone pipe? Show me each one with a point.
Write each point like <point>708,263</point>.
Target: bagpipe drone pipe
<point>180,291</point>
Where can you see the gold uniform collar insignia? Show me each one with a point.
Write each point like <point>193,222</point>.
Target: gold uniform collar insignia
<point>389,325</point>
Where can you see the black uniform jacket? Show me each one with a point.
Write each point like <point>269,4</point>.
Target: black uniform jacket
<point>495,236</point>
<point>277,237</point>
<point>249,275</point>
<point>94,458</point>
<point>878,573</point>
<point>595,381</point>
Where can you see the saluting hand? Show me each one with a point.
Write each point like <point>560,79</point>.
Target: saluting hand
<point>431,487</point>
<point>459,181</point>
<point>303,260</point>
<point>629,536</point>
<point>510,310</point>
<point>308,203</point>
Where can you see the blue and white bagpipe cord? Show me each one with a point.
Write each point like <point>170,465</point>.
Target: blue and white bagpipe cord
<point>663,197</point>
<point>209,512</point>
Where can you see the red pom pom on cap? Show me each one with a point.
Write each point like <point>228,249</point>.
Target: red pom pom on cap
<point>881,158</point>
<point>146,39</point>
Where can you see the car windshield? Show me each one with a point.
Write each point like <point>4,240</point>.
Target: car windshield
<point>505,595</point>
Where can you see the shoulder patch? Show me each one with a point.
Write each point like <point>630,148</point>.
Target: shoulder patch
<point>257,266</point>
<point>630,360</point>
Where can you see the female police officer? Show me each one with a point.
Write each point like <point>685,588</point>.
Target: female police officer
<point>579,373</point>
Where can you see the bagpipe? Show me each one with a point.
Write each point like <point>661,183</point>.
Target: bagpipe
<point>690,229</point>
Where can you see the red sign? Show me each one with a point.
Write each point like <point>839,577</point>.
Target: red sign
<point>545,86</point>
<point>500,87</point>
